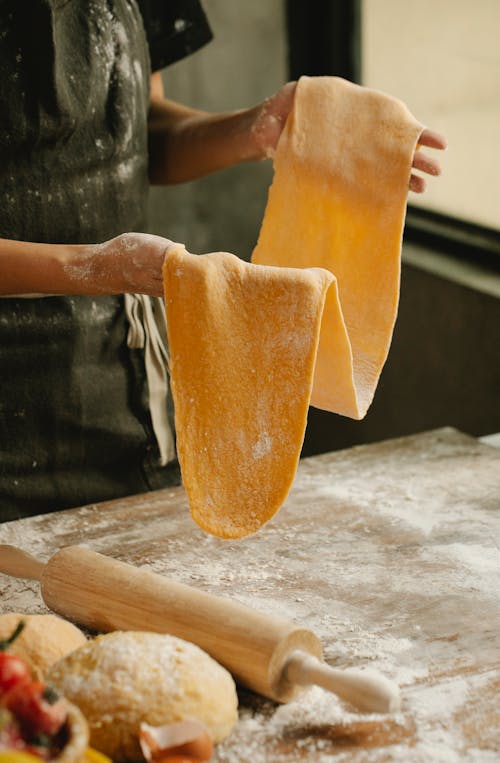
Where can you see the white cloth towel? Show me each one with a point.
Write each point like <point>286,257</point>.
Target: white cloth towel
<point>148,331</point>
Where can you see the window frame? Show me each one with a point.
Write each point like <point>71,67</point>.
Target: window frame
<point>324,37</point>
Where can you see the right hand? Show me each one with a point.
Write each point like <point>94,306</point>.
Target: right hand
<point>424,162</point>
<point>128,263</point>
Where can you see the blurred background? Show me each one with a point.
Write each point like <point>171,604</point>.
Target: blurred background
<point>443,60</point>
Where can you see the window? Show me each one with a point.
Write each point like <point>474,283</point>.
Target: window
<point>443,60</point>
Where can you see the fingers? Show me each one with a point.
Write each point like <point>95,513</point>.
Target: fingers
<point>155,288</point>
<point>433,139</point>
<point>269,120</point>
<point>417,184</point>
<point>170,245</point>
<point>426,163</point>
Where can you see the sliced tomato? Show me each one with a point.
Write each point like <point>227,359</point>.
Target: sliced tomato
<point>37,707</point>
<point>13,670</point>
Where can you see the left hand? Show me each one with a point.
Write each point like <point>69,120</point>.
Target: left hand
<point>127,264</point>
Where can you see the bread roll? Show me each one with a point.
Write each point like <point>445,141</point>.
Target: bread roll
<point>44,640</point>
<point>121,679</point>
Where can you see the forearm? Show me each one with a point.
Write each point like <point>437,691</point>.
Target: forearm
<point>31,268</point>
<point>185,144</point>
<point>128,263</point>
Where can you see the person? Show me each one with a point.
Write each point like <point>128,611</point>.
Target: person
<point>85,126</point>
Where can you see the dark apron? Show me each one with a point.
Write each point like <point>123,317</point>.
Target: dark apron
<point>74,89</point>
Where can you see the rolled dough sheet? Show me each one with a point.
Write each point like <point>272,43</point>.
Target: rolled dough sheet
<point>242,343</point>
<point>338,201</point>
<point>253,344</point>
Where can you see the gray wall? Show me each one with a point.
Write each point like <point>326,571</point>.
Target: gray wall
<point>443,368</point>
<point>245,63</point>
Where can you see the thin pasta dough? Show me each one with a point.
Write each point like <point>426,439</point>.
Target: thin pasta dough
<point>338,201</point>
<point>242,342</point>
<point>309,321</point>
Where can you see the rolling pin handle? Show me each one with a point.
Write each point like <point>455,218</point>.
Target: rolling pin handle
<point>365,689</point>
<point>19,564</point>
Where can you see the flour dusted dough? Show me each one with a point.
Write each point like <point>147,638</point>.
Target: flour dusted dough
<point>242,342</point>
<point>243,337</point>
<point>338,201</point>
<point>121,679</point>
<point>44,640</point>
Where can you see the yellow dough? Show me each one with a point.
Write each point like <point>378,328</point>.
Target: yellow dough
<point>338,201</point>
<point>243,338</point>
<point>242,342</point>
<point>122,679</point>
<point>44,640</point>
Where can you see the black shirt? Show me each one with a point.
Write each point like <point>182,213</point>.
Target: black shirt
<point>174,29</point>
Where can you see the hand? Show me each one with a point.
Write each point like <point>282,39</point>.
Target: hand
<point>424,162</point>
<point>269,120</point>
<point>129,263</point>
<point>269,117</point>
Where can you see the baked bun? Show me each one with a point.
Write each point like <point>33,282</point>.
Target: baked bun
<point>43,641</point>
<point>124,678</point>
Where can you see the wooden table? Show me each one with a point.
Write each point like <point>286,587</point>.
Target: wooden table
<point>388,551</point>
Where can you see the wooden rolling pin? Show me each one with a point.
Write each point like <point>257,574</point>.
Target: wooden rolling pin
<point>265,653</point>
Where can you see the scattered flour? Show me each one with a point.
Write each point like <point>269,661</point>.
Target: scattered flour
<point>263,446</point>
<point>397,575</point>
